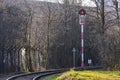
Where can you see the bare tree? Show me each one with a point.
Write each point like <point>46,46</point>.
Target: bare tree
<point>27,34</point>
<point>11,25</point>
<point>117,9</point>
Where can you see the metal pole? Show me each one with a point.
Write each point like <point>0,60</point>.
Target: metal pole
<point>73,50</point>
<point>82,45</point>
<point>73,59</point>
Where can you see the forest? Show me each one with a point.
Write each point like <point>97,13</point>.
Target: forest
<point>38,35</point>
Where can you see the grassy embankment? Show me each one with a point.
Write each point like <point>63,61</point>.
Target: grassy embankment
<point>86,75</point>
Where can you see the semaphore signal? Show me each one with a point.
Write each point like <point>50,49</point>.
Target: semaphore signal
<point>82,14</point>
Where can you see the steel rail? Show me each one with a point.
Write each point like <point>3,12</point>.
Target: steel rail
<point>30,76</point>
<point>50,73</point>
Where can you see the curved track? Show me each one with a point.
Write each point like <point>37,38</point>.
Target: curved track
<point>34,75</point>
<point>38,75</point>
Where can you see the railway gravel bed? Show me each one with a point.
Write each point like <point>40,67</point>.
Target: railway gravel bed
<point>5,76</point>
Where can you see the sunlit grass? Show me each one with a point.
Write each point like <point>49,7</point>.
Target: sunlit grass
<point>89,75</point>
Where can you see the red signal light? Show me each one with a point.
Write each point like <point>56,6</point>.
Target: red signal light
<point>82,12</point>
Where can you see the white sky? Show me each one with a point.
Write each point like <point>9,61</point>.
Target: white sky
<point>88,3</point>
<point>85,2</point>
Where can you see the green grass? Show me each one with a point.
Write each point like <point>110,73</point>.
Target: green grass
<point>86,75</point>
<point>52,77</point>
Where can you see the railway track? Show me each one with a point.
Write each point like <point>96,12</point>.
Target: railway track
<point>38,75</point>
<point>35,75</point>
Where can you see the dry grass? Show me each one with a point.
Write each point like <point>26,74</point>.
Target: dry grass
<point>90,75</point>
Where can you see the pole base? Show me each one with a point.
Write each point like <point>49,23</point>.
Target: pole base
<point>82,64</point>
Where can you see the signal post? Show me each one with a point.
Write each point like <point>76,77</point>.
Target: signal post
<point>82,14</point>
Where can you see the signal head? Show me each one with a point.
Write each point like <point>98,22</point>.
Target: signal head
<point>82,12</point>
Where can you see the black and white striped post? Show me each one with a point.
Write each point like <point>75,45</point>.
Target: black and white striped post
<point>82,13</point>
